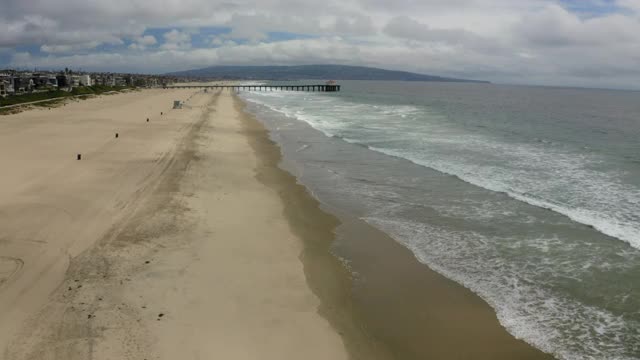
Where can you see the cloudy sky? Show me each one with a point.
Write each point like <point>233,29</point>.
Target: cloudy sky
<point>592,43</point>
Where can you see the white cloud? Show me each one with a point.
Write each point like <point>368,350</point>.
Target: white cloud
<point>217,41</point>
<point>222,40</point>
<point>553,26</point>
<point>146,40</point>
<point>355,25</point>
<point>56,49</point>
<point>175,36</point>
<point>407,28</point>
<point>176,40</point>
<point>142,42</point>
<point>633,5</point>
<point>501,40</point>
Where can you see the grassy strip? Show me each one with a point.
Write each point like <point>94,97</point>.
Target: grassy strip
<point>51,103</point>
<point>53,94</point>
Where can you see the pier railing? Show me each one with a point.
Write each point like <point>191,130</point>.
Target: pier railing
<point>326,88</point>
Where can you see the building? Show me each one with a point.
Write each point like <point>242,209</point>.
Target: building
<point>98,80</point>
<point>44,81</point>
<point>6,84</point>
<point>53,81</point>
<point>22,84</point>
<point>84,80</point>
<point>18,82</point>
<point>39,81</point>
<point>75,80</point>
<point>119,81</point>
<point>63,80</point>
<point>105,80</point>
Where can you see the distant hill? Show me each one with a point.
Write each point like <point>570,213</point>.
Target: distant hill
<point>304,72</point>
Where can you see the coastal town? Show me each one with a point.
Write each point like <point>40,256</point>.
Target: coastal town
<point>17,82</point>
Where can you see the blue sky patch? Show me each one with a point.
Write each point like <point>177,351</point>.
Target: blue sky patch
<point>590,8</point>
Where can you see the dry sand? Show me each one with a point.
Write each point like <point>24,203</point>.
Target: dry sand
<point>160,244</point>
<point>182,239</point>
<point>52,206</point>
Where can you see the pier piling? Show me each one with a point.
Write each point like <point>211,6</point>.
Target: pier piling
<point>237,88</point>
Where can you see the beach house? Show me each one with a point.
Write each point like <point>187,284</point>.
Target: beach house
<point>44,81</point>
<point>84,80</point>
<point>5,85</point>
<point>75,81</point>
<point>22,84</point>
<point>120,81</point>
<point>63,80</point>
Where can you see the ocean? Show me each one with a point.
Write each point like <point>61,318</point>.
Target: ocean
<point>528,196</point>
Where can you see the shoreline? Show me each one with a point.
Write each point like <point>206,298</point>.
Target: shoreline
<point>396,307</point>
<point>326,275</point>
<point>159,261</point>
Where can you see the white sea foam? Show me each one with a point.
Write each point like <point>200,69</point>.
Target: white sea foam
<point>518,277</point>
<point>555,324</point>
<point>613,225</point>
<point>543,176</point>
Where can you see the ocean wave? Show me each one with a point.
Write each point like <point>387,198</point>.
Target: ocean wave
<point>627,231</point>
<point>521,277</point>
<point>556,324</point>
<point>537,175</point>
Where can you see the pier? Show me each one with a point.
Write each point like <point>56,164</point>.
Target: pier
<point>322,88</point>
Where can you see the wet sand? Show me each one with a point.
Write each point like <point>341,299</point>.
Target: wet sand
<point>394,307</point>
<point>183,239</point>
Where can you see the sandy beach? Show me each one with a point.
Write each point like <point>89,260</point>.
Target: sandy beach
<point>126,254</point>
<point>53,207</point>
<point>183,239</point>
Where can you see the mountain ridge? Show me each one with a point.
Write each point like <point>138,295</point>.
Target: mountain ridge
<point>309,72</point>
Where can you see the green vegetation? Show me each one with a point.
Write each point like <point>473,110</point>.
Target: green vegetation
<point>51,103</point>
<point>54,94</point>
<point>19,99</point>
<point>96,89</point>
